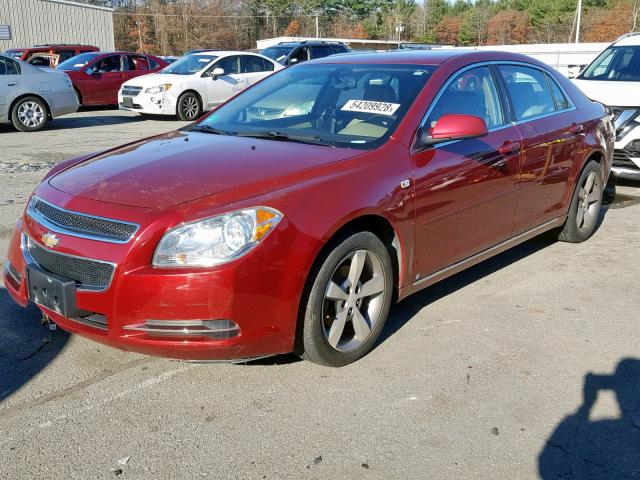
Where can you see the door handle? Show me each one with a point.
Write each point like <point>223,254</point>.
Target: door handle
<point>11,84</point>
<point>576,129</point>
<point>508,148</point>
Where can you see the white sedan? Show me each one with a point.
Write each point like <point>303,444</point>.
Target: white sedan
<point>195,83</point>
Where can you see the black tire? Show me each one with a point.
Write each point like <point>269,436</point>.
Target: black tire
<point>29,114</point>
<point>189,107</point>
<point>577,227</point>
<point>319,313</point>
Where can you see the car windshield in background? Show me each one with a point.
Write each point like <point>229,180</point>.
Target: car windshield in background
<point>14,53</point>
<point>277,53</point>
<point>615,64</point>
<point>78,62</point>
<point>189,65</point>
<point>356,106</point>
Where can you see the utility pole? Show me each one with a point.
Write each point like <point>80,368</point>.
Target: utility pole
<point>317,26</point>
<point>578,21</point>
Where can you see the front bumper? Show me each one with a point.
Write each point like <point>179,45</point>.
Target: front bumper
<point>159,311</point>
<point>151,104</point>
<point>626,154</point>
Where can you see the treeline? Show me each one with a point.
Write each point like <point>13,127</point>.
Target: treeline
<point>174,26</point>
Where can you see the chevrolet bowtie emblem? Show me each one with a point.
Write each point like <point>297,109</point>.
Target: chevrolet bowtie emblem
<point>50,240</point>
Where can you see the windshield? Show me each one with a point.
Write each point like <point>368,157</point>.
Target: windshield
<point>620,64</point>
<point>14,53</point>
<point>78,62</point>
<point>189,65</point>
<point>356,106</point>
<point>279,54</point>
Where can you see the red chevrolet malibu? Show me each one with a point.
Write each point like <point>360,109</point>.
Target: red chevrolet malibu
<point>291,217</point>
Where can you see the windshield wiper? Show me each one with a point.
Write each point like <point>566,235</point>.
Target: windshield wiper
<point>209,129</point>
<point>273,135</point>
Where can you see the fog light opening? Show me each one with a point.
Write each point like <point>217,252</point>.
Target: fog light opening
<point>213,329</point>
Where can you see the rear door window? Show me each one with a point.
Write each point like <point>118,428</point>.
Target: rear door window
<point>529,91</point>
<point>560,99</point>
<point>321,51</point>
<point>64,54</point>
<point>255,64</point>
<point>136,62</point>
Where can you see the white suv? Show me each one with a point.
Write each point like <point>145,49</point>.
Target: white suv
<point>613,79</point>
<point>195,83</point>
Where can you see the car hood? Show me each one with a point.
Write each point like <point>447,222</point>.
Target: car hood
<point>153,79</point>
<point>180,166</point>
<point>611,93</point>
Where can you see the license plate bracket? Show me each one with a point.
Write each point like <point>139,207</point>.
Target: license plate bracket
<point>127,102</point>
<point>52,291</point>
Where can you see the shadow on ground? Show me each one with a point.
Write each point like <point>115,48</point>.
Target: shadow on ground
<point>26,347</point>
<point>583,449</point>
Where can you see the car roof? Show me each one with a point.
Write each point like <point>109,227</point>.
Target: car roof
<point>220,53</point>
<point>630,39</point>
<point>423,57</point>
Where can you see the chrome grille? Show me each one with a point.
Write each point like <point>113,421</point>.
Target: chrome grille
<point>131,91</point>
<point>87,273</point>
<point>71,223</point>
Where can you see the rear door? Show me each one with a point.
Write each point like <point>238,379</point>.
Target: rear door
<point>225,86</point>
<point>135,65</point>
<point>10,84</point>
<point>103,80</point>
<point>320,51</point>
<point>255,68</point>
<point>466,190</point>
<point>550,142</point>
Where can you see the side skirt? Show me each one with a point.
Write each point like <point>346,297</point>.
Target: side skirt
<point>479,257</point>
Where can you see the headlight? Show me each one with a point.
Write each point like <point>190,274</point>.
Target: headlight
<point>215,240</point>
<point>158,88</point>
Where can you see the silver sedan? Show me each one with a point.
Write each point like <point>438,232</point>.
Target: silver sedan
<point>30,96</point>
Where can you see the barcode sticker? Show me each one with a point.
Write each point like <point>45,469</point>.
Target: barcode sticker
<point>367,106</point>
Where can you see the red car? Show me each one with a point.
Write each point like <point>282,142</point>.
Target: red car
<point>295,214</point>
<point>98,76</point>
<point>57,52</point>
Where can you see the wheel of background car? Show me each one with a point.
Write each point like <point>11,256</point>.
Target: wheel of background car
<point>189,107</point>
<point>585,205</point>
<point>348,301</point>
<point>29,114</point>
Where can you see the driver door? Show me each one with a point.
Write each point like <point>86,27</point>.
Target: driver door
<point>222,88</point>
<point>465,190</point>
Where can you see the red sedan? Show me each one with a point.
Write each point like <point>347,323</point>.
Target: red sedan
<point>291,217</point>
<point>98,76</point>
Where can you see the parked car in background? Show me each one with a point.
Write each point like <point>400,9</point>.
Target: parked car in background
<point>194,84</point>
<point>613,79</point>
<point>290,53</point>
<point>240,236</point>
<point>168,58</point>
<point>55,53</point>
<point>97,76</point>
<point>29,96</point>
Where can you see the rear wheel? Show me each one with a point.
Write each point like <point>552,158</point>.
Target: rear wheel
<point>29,114</point>
<point>189,107</point>
<point>585,205</point>
<point>348,302</point>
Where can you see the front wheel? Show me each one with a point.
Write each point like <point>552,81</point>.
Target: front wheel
<point>348,303</point>
<point>585,205</point>
<point>29,114</point>
<point>189,107</point>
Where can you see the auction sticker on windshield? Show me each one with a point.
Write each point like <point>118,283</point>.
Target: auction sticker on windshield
<point>366,106</point>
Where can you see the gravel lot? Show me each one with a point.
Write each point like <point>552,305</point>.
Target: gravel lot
<point>486,375</point>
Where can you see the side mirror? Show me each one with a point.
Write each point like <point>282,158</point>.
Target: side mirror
<point>454,127</point>
<point>217,72</point>
<point>292,61</point>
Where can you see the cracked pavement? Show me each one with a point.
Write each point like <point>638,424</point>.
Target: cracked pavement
<point>485,375</point>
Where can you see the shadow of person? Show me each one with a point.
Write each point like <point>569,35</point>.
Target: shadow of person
<point>585,449</point>
<point>26,347</point>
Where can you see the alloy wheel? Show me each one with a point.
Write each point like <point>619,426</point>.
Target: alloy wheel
<point>353,300</point>
<point>588,202</point>
<point>31,114</point>
<point>190,107</point>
